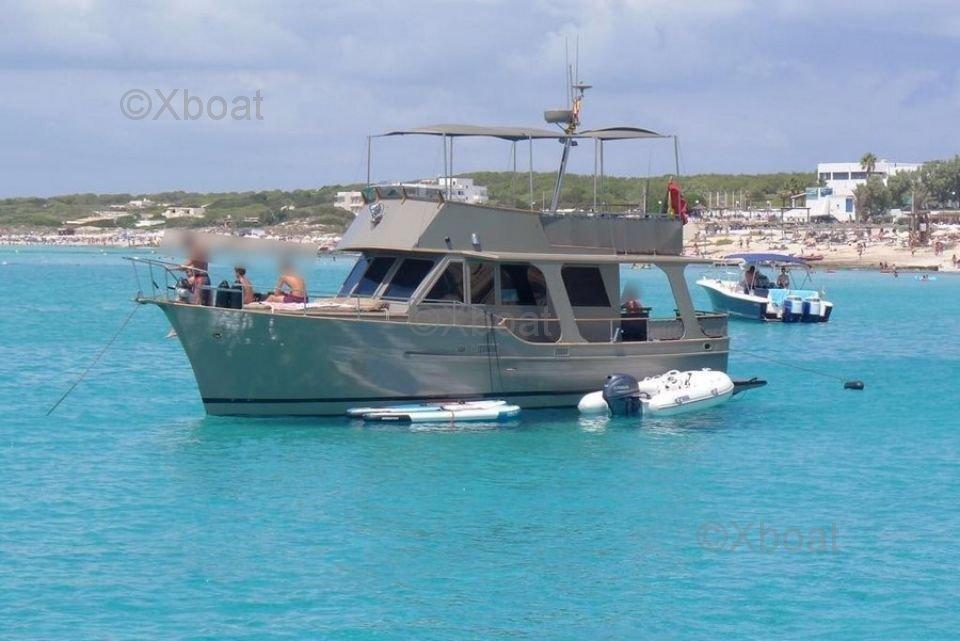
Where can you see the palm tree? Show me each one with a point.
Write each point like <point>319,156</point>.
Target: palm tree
<point>868,163</point>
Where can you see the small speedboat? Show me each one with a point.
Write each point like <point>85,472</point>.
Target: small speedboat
<point>766,299</point>
<point>668,394</point>
<point>441,412</point>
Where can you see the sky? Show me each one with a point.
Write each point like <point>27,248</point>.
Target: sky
<point>746,85</point>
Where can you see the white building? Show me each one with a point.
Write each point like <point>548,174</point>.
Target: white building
<point>184,212</point>
<point>352,201</point>
<point>461,190</point>
<point>838,180</point>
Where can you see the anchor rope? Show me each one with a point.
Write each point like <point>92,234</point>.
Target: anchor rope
<point>96,359</point>
<point>793,365</point>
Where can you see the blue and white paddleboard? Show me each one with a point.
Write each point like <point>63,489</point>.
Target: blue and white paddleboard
<point>438,412</point>
<point>411,408</point>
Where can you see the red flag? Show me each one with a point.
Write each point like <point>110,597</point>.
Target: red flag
<point>678,206</point>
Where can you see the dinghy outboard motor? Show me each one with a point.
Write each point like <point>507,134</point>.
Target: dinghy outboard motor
<point>622,394</point>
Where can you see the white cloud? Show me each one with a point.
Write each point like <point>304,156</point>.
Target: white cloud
<point>747,84</point>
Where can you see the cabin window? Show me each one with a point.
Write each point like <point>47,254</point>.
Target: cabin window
<point>585,286</point>
<point>841,175</point>
<point>651,288</point>
<point>358,270</point>
<point>482,290</point>
<point>449,286</point>
<point>408,277</point>
<point>522,285</point>
<point>371,279</point>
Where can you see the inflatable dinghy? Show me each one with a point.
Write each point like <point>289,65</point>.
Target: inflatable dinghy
<point>445,412</point>
<point>665,395</point>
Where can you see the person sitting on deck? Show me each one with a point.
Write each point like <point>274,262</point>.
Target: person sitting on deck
<point>198,276</point>
<point>290,288</point>
<point>749,279</point>
<point>246,287</point>
<point>783,280</point>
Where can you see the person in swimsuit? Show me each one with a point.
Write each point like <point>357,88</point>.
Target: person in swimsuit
<point>290,288</point>
<point>245,285</point>
<point>749,279</point>
<point>783,280</point>
<point>198,275</point>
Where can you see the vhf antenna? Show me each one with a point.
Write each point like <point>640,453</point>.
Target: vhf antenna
<point>569,119</point>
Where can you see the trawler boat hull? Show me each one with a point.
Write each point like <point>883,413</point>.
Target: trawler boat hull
<point>258,363</point>
<point>454,300</point>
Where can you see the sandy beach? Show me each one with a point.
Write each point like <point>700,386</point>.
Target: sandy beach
<point>840,248</point>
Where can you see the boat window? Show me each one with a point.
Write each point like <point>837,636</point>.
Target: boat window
<point>372,278</point>
<point>585,286</point>
<point>449,286</point>
<point>481,284</point>
<point>358,269</point>
<point>408,277</point>
<point>651,288</point>
<point>522,285</point>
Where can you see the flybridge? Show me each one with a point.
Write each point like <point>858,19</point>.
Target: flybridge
<point>568,133</point>
<point>514,135</point>
<point>399,218</point>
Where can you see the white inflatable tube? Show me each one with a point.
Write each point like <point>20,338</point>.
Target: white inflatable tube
<point>671,393</point>
<point>681,392</point>
<point>593,404</point>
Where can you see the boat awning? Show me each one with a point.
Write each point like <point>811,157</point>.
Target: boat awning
<point>755,258</point>
<point>619,133</point>
<point>525,133</point>
<point>456,131</point>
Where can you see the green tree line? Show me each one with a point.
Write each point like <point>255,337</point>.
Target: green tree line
<point>506,188</point>
<point>936,184</point>
<point>255,207</point>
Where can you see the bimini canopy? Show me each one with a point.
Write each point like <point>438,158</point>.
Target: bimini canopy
<point>757,258</point>
<point>456,131</point>
<point>525,133</point>
<point>619,133</point>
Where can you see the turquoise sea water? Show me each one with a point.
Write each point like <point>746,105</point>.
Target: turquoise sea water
<point>799,511</point>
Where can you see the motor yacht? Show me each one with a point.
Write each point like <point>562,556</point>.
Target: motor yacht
<point>454,300</point>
